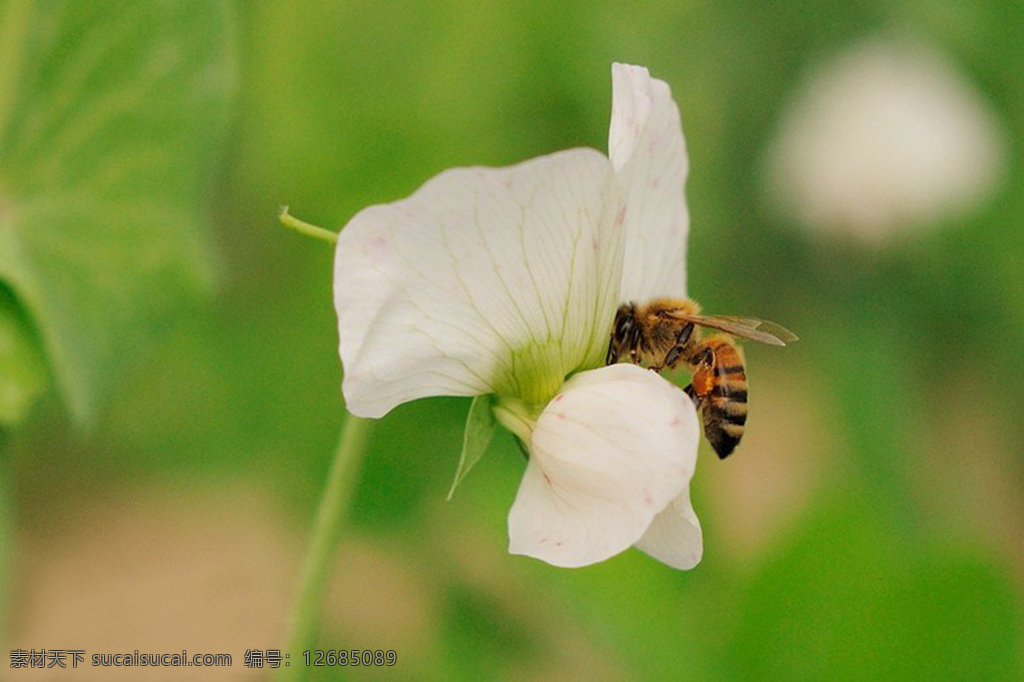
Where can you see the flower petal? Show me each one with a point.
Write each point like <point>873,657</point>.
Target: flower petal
<point>610,452</point>
<point>647,150</point>
<point>674,537</point>
<point>483,281</point>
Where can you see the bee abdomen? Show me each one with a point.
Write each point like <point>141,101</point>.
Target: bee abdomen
<point>728,411</point>
<point>724,421</point>
<point>725,412</point>
<point>731,392</point>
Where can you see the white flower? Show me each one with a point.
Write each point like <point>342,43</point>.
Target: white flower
<point>887,136</point>
<point>505,282</point>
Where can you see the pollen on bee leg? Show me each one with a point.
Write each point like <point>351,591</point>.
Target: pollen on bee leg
<point>703,381</point>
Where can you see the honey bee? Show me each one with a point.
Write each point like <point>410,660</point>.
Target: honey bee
<point>663,332</point>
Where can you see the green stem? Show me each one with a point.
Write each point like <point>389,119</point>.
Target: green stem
<point>305,228</point>
<point>341,482</point>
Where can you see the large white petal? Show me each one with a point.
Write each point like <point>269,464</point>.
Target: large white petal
<point>674,537</point>
<point>485,280</point>
<point>610,452</point>
<point>647,150</point>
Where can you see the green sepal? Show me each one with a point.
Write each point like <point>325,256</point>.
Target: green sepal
<point>480,424</point>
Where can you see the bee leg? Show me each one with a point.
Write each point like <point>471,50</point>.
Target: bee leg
<point>703,356</point>
<point>683,338</point>
<point>612,356</point>
<point>698,401</point>
<point>703,361</point>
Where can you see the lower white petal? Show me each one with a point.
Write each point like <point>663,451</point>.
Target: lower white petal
<point>674,537</point>
<point>609,453</point>
<point>486,280</point>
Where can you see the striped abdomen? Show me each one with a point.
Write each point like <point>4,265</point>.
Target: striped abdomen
<point>725,407</point>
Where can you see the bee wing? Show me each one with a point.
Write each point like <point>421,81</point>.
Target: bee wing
<point>751,328</point>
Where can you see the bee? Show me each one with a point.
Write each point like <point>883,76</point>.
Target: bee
<point>664,332</point>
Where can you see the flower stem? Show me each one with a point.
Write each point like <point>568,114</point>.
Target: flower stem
<point>302,227</point>
<point>329,518</point>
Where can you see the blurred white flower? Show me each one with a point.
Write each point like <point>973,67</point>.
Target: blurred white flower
<point>505,282</point>
<point>885,137</point>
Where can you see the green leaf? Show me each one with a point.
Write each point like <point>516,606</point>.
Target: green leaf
<point>480,425</point>
<point>108,137</point>
<point>22,367</point>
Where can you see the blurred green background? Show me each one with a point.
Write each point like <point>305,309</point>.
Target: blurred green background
<point>159,493</point>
